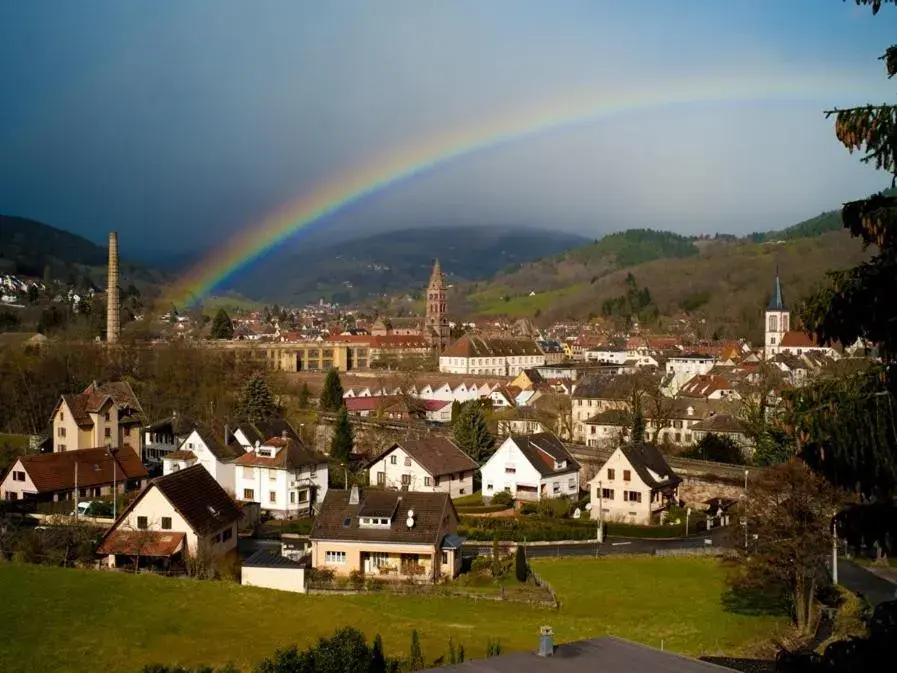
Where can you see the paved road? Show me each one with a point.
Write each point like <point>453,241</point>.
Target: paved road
<point>860,581</point>
<point>613,545</point>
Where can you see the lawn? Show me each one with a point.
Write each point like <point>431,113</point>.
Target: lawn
<point>491,302</point>
<point>80,620</point>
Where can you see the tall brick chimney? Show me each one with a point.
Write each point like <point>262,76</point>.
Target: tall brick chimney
<point>113,321</point>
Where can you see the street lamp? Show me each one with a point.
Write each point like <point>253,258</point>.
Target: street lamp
<point>111,453</point>
<point>599,536</point>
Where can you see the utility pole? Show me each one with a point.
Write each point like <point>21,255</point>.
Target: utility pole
<point>114,486</point>
<point>834,551</point>
<point>76,489</point>
<point>745,509</point>
<point>599,536</point>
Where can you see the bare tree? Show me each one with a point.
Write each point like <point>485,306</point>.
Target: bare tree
<point>787,537</point>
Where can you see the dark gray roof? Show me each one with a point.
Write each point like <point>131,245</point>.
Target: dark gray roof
<point>434,517</point>
<point>452,542</point>
<point>265,559</point>
<point>437,455</point>
<point>535,447</point>
<point>607,654</point>
<point>776,300</point>
<point>264,430</point>
<point>644,457</point>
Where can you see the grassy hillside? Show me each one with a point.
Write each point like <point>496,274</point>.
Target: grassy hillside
<point>396,262</point>
<point>84,621</point>
<point>723,280</point>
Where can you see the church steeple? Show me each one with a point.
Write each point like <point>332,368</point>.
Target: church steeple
<point>436,324</point>
<point>778,320</point>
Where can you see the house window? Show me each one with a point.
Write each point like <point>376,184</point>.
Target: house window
<point>166,523</point>
<point>632,496</point>
<point>62,447</point>
<point>407,461</point>
<point>303,496</point>
<point>335,558</point>
<point>426,481</point>
<point>627,475</point>
<point>127,432</point>
<point>510,470</point>
<point>142,523</point>
<point>445,558</point>
<point>107,432</point>
<point>61,416</point>
<point>106,416</point>
<point>18,476</point>
<point>60,432</point>
<point>393,460</point>
<point>571,483</point>
<point>607,493</point>
<point>248,494</point>
<point>227,535</point>
<point>292,497</point>
<point>406,480</point>
<point>272,497</point>
<point>611,474</point>
<point>556,487</point>
<point>488,487</point>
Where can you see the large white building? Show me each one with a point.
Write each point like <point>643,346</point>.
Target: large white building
<point>433,464</point>
<point>283,475</point>
<point>683,368</point>
<point>531,467</point>
<point>490,357</point>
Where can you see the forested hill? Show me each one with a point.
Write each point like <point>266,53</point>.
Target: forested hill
<point>31,248</point>
<point>396,262</point>
<point>655,277</point>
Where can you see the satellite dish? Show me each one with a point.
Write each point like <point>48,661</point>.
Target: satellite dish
<point>409,522</point>
<point>577,513</point>
<point>588,507</point>
<point>410,513</point>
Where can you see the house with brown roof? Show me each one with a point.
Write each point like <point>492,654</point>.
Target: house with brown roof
<point>724,425</point>
<point>607,428</point>
<point>389,534</point>
<point>531,467</point>
<point>285,476</point>
<point>92,473</point>
<point>709,387</point>
<point>100,415</point>
<point>214,449</point>
<point>433,464</point>
<point>490,356</point>
<point>179,515</point>
<point>634,485</point>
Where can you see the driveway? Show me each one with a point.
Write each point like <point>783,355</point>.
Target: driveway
<point>865,583</point>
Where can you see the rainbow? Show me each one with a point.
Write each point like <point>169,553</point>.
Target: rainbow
<point>364,180</point>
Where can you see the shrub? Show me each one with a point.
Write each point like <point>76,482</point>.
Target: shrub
<point>481,509</point>
<point>502,498</point>
<point>319,575</point>
<point>356,579</point>
<point>555,508</point>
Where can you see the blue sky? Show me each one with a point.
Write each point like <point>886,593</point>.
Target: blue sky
<point>179,122</point>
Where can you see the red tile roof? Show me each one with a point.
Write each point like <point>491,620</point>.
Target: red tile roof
<point>53,472</point>
<point>798,340</point>
<point>156,543</point>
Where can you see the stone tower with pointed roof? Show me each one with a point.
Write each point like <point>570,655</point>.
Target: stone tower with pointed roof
<point>436,327</point>
<point>778,319</point>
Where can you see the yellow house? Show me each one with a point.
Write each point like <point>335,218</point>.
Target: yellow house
<point>101,415</point>
<point>387,534</point>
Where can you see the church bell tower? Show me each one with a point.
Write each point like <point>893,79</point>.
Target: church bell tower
<point>778,318</point>
<point>436,325</point>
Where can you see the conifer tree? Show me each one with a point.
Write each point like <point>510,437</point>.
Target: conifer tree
<point>416,657</point>
<point>520,569</point>
<point>222,326</point>
<point>304,396</point>
<point>343,440</point>
<point>471,434</point>
<point>332,394</point>
<point>256,401</point>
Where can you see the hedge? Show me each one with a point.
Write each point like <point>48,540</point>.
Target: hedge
<point>480,509</point>
<point>533,529</point>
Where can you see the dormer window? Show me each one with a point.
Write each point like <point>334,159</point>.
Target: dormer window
<point>264,452</point>
<point>561,464</point>
<point>374,522</point>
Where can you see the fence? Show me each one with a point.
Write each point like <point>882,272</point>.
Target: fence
<point>545,599</point>
<point>707,550</point>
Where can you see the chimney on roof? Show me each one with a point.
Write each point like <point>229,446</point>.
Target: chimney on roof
<point>226,434</point>
<point>284,434</point>
<point>546,641</point>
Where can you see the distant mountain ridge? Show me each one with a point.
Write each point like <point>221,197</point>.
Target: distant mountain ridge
<point>398,261</point>
<point>30,248</point>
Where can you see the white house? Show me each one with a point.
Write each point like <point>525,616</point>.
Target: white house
<point>633,485</point>
<point>182,514</point>
<point>531,467</point>
<point>164,437</point>
<point>681,368</point>
<point>284,475</point>
<point>203,447</point>
<point>249,434</point>
<point>490,357</point>
<point>433,464</point>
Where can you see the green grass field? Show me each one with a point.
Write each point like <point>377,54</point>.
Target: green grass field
<point>85,621</point>
<point>491,302</point>
<point>15,441</point>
